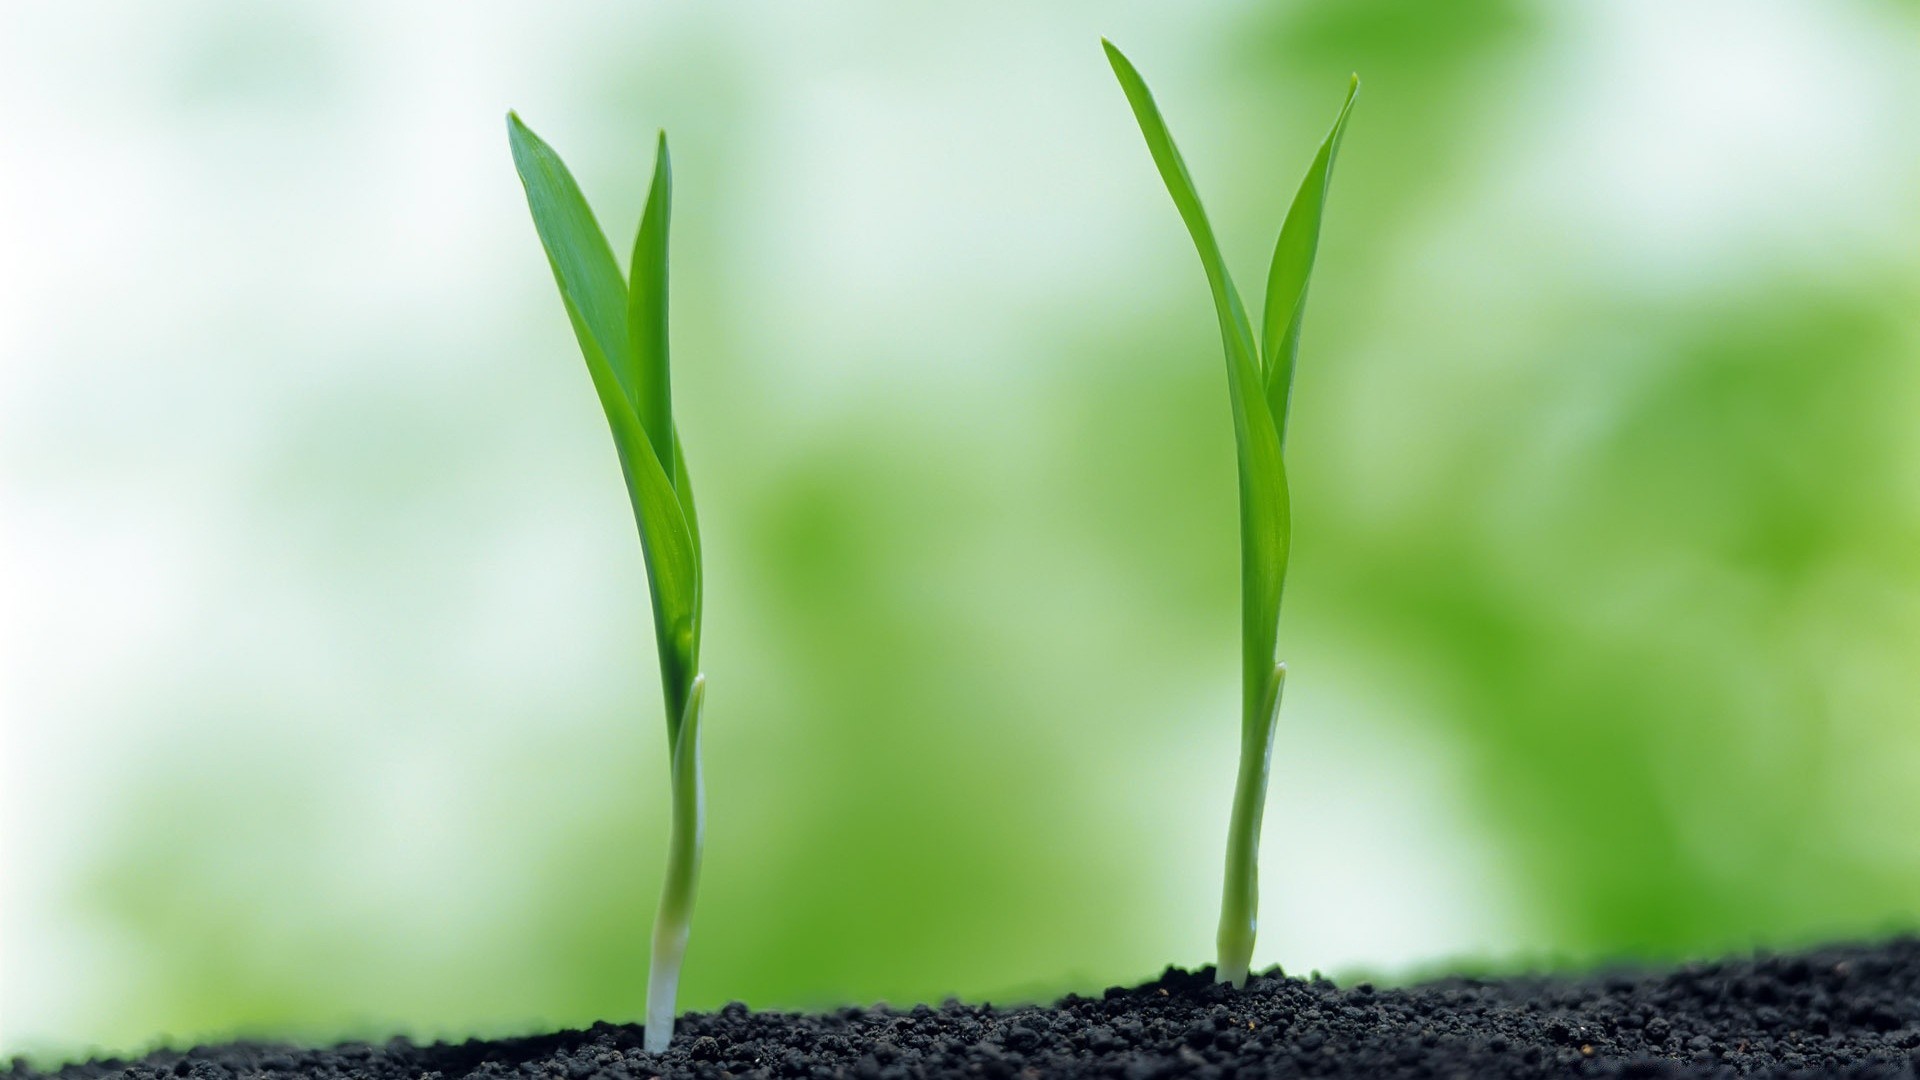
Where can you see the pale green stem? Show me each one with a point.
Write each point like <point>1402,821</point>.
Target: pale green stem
<point>672,924</point>
<point>1240,898</point>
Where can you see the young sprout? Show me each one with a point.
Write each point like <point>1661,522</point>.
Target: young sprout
<point>622,330</point>
<point>1260,384</point>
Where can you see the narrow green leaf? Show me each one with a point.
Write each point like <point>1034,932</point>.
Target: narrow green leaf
<point>647,313</point>
<point>1265,511</point>
<point>582,261</point>
<point>574,247</point>
<point>683,492</point>
<point>673,567</point>
<point>1266,539</point>
<point>683,488</point>
<point>1235,331</point>
<point>1292,266</point>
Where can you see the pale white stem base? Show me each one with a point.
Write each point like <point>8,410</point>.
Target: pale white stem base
<point>1232,973</point>
<point>671,925</point>
<point>663,984</point>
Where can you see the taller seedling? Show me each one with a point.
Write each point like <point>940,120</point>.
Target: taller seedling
<point>622,330</point>
<point>1260,383</point>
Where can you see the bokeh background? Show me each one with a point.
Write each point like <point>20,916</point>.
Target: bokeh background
<point>329,696</point>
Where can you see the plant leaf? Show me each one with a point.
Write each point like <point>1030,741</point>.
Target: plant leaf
<point>1292,267</point>
<point>683,490</point>
<point>582,261</point>
<point>1266,540</point>
<point>646,315</point>
<point>1235,332</point>
<point>1265,507</point>
<point>666,540</point>
<point>589,282</point>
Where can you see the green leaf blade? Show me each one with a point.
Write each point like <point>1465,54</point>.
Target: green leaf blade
<point>1235,331</point>
<point>1265,507</point>
<point>667,542</point>
<point>582,261</point>
<point>646,313</point>
<point>683,491</point>
<point>584,268</point>
<point>1292,267</point>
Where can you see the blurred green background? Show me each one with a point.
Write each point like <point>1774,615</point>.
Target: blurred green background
<point>329,700</point>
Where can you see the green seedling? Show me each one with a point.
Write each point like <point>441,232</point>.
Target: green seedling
<point>1260,384</point>
<point>622,329</point>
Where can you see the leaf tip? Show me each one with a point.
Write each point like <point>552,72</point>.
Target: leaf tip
<point>1346,107</point>
<point>1129,76</point>
<point>520,136</point>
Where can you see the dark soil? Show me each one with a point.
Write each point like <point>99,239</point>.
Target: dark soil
<point>1845,1011</point>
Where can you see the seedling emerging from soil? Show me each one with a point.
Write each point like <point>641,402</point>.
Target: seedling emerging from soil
<point>623,333</point>
<point>1260,383</point>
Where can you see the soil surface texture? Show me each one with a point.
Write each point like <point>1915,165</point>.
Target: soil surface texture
<point>1850,1011</point>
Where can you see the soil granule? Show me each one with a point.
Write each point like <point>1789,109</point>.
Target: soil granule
<point>1851,1011</point>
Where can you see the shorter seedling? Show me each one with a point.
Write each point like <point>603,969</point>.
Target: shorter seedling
<point>1260,384</point>
<point>622,329</point>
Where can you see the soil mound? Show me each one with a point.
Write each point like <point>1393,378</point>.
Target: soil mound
<point>1848,1011</point>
